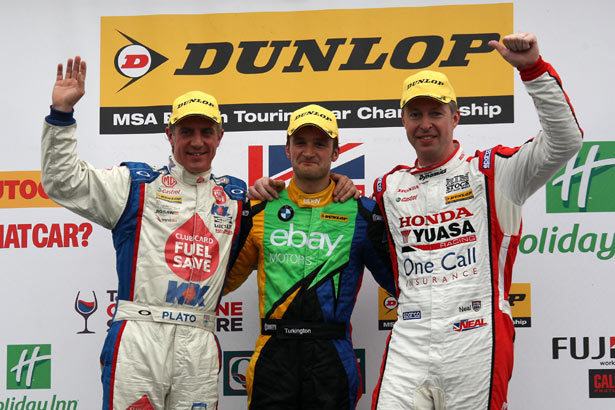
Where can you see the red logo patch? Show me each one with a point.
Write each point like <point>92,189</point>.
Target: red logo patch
<point>142,404</point>
<point>168,181</point>
<point>192,251</point>
<point>219,195</point>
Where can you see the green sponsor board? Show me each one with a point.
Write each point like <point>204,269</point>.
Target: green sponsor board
<point>586,183</point>
<point>569,240</point>
<point>28,367</point>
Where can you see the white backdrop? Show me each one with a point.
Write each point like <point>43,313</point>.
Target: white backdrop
<point>571,292</point>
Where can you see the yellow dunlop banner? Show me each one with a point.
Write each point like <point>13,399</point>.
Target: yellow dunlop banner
<point>262,66</point>
<point>520,299</point>
<point>23,189</point>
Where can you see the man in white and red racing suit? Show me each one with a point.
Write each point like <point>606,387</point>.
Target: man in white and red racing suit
<point>454,223</point>
<point>175,231</point>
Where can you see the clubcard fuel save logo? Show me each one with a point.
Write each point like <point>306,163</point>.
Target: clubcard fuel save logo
<point>351,163</point>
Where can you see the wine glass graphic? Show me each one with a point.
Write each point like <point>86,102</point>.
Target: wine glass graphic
<point>85,309</point>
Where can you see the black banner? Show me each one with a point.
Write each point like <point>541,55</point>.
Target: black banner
<point>258,117</point>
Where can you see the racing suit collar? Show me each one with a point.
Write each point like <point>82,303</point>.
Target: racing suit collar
<point>179,172</point>
<point>304,200</point>
<point>451,162</point>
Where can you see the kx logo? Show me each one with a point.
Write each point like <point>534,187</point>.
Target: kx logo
<point>351,163</point>
<point>186,293</point>
<point>586,183</point>
<point>28,367</point>
<point>135,60</point>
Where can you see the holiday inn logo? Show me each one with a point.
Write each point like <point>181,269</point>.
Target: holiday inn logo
<point>586,183</point>
<point>28,367</point>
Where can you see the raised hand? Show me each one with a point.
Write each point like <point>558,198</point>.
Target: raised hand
<point>519,49</point>
<point>69,87</point>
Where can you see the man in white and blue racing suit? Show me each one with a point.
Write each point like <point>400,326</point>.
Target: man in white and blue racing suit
<point>175,229</point>
<point>454,223</point>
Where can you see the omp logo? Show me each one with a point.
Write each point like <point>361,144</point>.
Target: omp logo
<point>351,163</point>
<point>586,183</point>
<point>23,189</point>
<point>28,367</point>
<point>135,60</point>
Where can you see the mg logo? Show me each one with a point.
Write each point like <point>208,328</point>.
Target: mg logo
<point>28,367</point>
<point>586,183</point>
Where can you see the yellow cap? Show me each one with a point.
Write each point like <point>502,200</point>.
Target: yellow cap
<point>195,103</point>
<point>313,115</point>
<point>431,84</point>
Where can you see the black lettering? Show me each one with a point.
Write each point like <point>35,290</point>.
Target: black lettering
<point>467,227</point>
<point>463,46</point>
<point>442,234</point>
<point>313,54</point>
<point>222,323</point>
<point>247,59</point>
<point>556,346</point>
<point>455,229</point>
<point>514,298</point>
<point>360,53</point>
<point>573,348</point>
<point>602,348</point>
<point>192,65</point>
<point>236,324</point>
<point>399,58</point>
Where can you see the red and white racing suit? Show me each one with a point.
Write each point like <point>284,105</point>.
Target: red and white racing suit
<point>454,230</point>
<point>175,235</point>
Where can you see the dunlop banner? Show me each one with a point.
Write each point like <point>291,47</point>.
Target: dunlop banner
<point>261,66</point>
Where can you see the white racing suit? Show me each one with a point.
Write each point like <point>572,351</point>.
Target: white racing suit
<point>175,235</point>
<point>454,230</point>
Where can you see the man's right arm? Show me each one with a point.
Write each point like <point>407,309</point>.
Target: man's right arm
<point>99,195</point>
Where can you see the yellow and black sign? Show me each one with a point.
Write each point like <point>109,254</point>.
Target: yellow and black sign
<point>261,66</point>
<point>520,299</point>
<point>387,310</point>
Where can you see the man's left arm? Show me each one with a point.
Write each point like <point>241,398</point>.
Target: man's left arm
<point>376,254</point>
<point>524,171</point>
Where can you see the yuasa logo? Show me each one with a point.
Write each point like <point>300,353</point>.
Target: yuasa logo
<point>299,239</point>
<point>351,163</point>
<point>586,183</point>
<point>28,367</point>
<point>136,60</point>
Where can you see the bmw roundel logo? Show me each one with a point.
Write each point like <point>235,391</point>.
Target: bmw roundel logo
<point>286,213</point>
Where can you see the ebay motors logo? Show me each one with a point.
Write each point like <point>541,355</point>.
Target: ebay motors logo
<point>299,239</point>
<point>192,251</point>
<point>464,325</point>
<point>136,60</point>
<point>586,183</point>
<point>23,189</point>
<point>351,163</point>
